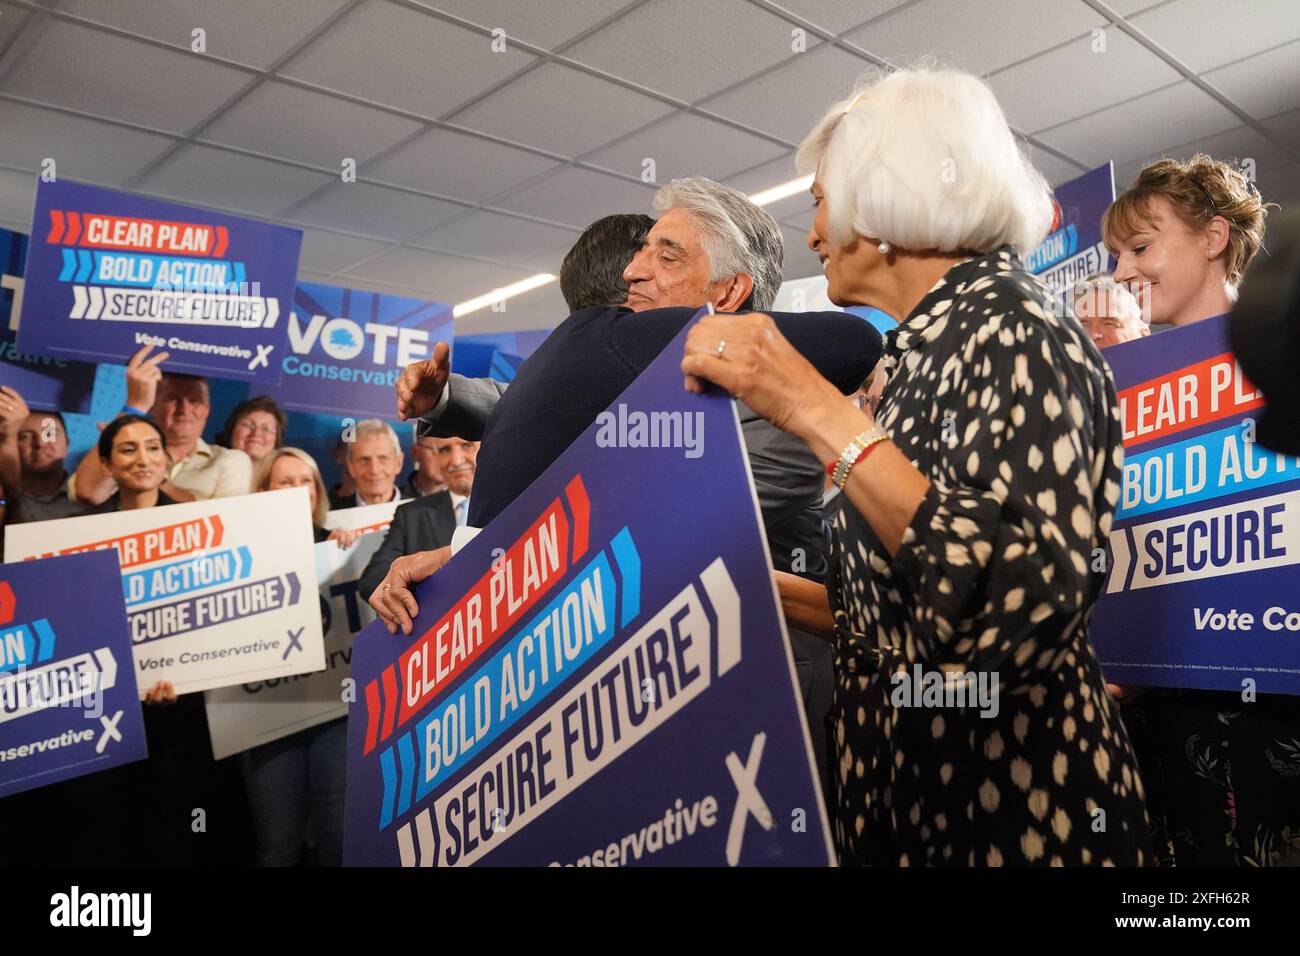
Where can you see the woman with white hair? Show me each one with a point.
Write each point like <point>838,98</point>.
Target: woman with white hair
<point>974,504</point>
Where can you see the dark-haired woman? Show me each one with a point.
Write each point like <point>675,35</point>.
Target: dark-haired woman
<point>256,427</point>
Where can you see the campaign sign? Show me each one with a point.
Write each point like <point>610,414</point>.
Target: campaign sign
<point>601,677</point>
<point>217,592</point>
<point>45,383</point>
<point>1204,584</point>
<point>346,348</point>
<point>68,703</point>
<point>258,712</point>
<point>1073,250</point>
<point>365,518</point>
<point>108,272</point>
<point>496,355</point>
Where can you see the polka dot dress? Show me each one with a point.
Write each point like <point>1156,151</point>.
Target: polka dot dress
<point>1012,415</point>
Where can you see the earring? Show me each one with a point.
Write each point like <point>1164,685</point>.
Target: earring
<point>884,248</point>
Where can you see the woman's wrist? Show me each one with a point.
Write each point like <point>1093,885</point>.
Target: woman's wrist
<point>831,425</point>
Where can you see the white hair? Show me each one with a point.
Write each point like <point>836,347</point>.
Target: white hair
<point>1120,302</point>
<point>924,159</point>
<point>373,426</point>
<point>737,236</point>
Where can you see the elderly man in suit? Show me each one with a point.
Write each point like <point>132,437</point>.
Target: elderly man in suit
<point>428,522</point>
<point>710,246</point>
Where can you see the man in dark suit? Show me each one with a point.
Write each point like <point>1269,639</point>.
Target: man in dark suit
<point>428,522</point>
<point>711,246</point>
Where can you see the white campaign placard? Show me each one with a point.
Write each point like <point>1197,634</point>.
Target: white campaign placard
<point>217,592</point>
<point>364,518</point>
<point>258,712</point>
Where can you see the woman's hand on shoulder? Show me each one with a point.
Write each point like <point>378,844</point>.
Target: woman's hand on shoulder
<point>749,357</point>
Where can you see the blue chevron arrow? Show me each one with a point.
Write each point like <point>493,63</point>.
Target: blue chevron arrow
<point>406,756</point>
<point>245,558</point>
<point>69,265</point>
<point>44,639</point>
<point>389,772</point>
<point>87,264</point>
<point>629,566</point>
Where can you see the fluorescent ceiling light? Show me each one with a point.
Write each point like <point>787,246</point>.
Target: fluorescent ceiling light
<point>800,185</point>
<point>501,294</point>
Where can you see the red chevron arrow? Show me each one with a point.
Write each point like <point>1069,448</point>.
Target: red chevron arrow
<point>7,602</point>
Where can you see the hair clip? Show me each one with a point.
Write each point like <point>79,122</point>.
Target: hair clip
<point>854,102</point>
<point>1214,210</point>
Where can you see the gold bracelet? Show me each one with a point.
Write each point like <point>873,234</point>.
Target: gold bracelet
<point>853,453</point>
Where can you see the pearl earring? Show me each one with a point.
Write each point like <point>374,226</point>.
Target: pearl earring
<point>884,248</point>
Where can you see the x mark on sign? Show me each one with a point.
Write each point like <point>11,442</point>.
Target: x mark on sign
<point>294,643</point>
<point>748,799</point>
<point>263,353</point>
<point>110,731</point>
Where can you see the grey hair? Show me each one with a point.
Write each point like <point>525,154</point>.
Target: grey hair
<point>737,235</point>
<point>373,426</point>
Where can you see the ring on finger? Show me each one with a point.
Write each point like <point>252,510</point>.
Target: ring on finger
<point>722,347</point>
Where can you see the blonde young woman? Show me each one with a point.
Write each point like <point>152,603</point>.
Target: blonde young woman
<point>295,784</point>
<point>1223,774</point>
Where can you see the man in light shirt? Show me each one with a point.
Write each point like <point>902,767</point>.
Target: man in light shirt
<point>180,405</point>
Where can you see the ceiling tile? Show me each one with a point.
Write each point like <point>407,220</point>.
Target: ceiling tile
<point>497,236</point>
<point>82,149</point>
<point>1233,146</point>
<point>1165,116</point>
<point>541,308</point>
<point>206,176</point>
<point>324,130</point>
<point>689,49</point>
<point>1205,34</point>
<point>685,144</point>
<point>384,52</point>
<point>975,34</point>
<point>446,278</point>
<point>578,197</point>
<point>327,252</point>
<point>1265,84</point>
<point>373,211</point>
<point>255,32</point>
<point>455,164</point>
<point>12,21</point>
<point>563,110</point>
<point>1281,184</point>
<point>98,73</point>
<point>839,16</point>
<point>1126,8</point>
<point>1286,126</point>
<point>1054,169</point>
<point>1073,80</point>
<point>762,177</point>
<point>544,25</point>
<point>789,101</point>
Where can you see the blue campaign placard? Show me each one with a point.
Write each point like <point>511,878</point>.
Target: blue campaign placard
<point>1073,250</point>
<point>601,677</point>
<point>68,700</point>
<point>46,384</point>
<point>496,355</point>
<point>109,272</point>
<point>1203,588</point>
<point>346,348</point>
